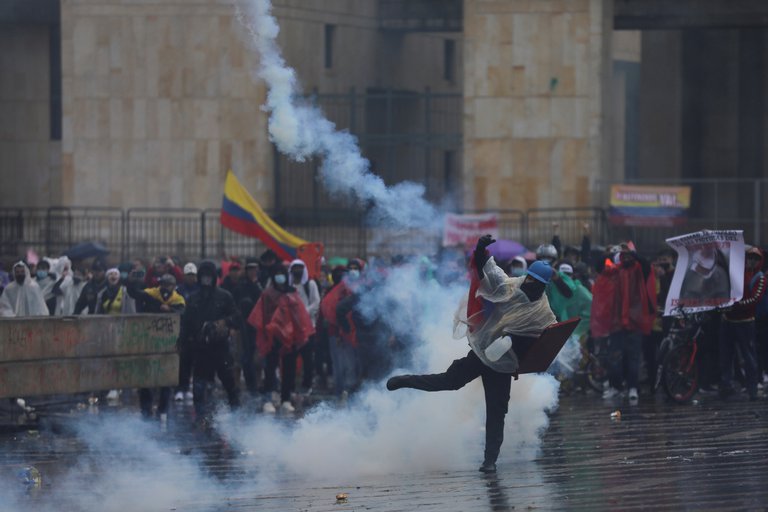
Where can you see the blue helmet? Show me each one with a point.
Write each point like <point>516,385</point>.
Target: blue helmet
<point>541,271</point>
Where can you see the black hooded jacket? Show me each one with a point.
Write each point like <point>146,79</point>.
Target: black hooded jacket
<point>209,304</point>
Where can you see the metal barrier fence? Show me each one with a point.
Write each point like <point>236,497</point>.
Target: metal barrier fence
<point>192,234</point>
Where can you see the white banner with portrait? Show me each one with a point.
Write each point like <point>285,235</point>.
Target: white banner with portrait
<point>709,273</point>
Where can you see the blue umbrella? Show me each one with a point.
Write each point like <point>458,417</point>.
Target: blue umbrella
<point>86,250</point>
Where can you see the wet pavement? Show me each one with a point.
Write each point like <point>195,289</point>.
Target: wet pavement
<point>709,455</point>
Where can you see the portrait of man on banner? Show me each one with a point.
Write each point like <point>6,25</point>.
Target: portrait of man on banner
<point>709,272</point>
<point>706,278</point>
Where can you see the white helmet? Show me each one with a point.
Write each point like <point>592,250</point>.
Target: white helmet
<point>546,252</point>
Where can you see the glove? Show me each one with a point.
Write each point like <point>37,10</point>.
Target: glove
<point>483,242</point>
<point>480,253</point>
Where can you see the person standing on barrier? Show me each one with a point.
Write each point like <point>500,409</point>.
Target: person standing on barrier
<point>205,325</point>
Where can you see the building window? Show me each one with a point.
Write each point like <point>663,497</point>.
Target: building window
<point>329,36</point>
<point>449,60</point>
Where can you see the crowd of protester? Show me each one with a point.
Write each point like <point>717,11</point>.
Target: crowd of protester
<point>270,327</point>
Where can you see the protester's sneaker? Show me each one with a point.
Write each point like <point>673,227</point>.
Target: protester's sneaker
<point>287,407</point>
<point>633,396</point>
<point>179,396</point>
<point>269,408</point>
<point>488,467</point>
<point>188,396</point>
<point>113,394</point>
<point>611,392</point>
<point>397,382</point>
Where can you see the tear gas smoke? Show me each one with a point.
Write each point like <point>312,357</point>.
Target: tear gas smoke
<point>383,432</point>
<point>378,432</point>
<point>301,131</point>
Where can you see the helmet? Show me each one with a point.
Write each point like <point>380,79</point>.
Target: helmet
<point>541,271</point>
<point>546,252</point>
<point>190,268</point>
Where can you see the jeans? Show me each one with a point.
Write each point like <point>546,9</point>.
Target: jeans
<point>145,401</point>
<point>344,361</point>
<point>287,373</point>
<point>624,355</point>
<point>738,336</point>
<point>209,363</point>
<point>248,358</point>
<point>495,384</point>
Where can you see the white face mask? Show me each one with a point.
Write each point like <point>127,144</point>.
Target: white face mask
<point>280,279</point>
<point>353,274</point>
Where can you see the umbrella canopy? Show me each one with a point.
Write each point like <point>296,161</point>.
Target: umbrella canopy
<point>86,250</point>
<point>504,250</point>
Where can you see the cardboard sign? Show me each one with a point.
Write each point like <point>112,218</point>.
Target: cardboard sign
<point>545,349</point>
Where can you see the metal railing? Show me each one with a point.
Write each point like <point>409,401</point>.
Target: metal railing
<point>193,234</point>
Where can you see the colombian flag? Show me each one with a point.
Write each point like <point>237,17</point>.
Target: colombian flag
<point>241,213</point>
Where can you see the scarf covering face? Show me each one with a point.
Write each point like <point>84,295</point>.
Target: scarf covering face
<point>508,312</point>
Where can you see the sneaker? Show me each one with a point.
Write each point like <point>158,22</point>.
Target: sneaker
<point>397,382</point>
<point>611,392</point>
<point>269,408</point>
<point>189,396</point>
<point>488,467</point>
<point>633,396</point>
<point>287,407</point>
<point>179,396</point>
<point>113,394</point>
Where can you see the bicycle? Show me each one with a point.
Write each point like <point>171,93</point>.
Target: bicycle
<point>678,372</point>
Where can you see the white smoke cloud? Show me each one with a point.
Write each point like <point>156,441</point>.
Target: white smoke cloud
<point>127,468</point>
<point>301,131</point>
<point>384,432</point>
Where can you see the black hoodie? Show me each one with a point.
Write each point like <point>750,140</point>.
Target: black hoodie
<point>209,304</point>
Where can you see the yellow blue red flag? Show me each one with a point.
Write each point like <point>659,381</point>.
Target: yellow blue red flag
<point>241,213</point>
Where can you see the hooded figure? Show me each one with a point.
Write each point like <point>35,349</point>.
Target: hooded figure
<point>22,297</point>
<point>283,326</point>
<point>204,337</point>
<point>501,311</point>
<point>306,288</point>
<point>68,288</point>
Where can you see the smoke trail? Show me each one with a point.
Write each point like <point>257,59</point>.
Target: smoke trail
<point>301,131</point>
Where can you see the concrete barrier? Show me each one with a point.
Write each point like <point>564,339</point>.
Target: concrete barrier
<point>59,355</point>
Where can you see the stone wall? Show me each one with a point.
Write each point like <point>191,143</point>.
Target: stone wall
<point>29,159</point>
<point>159,99</point>
<point>534,76</point>
<point>158,103</point>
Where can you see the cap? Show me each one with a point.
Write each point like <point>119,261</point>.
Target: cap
<point>565,268</point>
<point>541,271</point>
<point>167,279</point>
<point>190,268</point>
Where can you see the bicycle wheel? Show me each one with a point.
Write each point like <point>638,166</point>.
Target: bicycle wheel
<point>680,375</point>
<point>596,374</point>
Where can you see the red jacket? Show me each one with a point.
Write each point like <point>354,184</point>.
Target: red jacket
<point>637,298</point>
<point>280,317</point>
<point>328,310</point>
<point>604,316</point>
